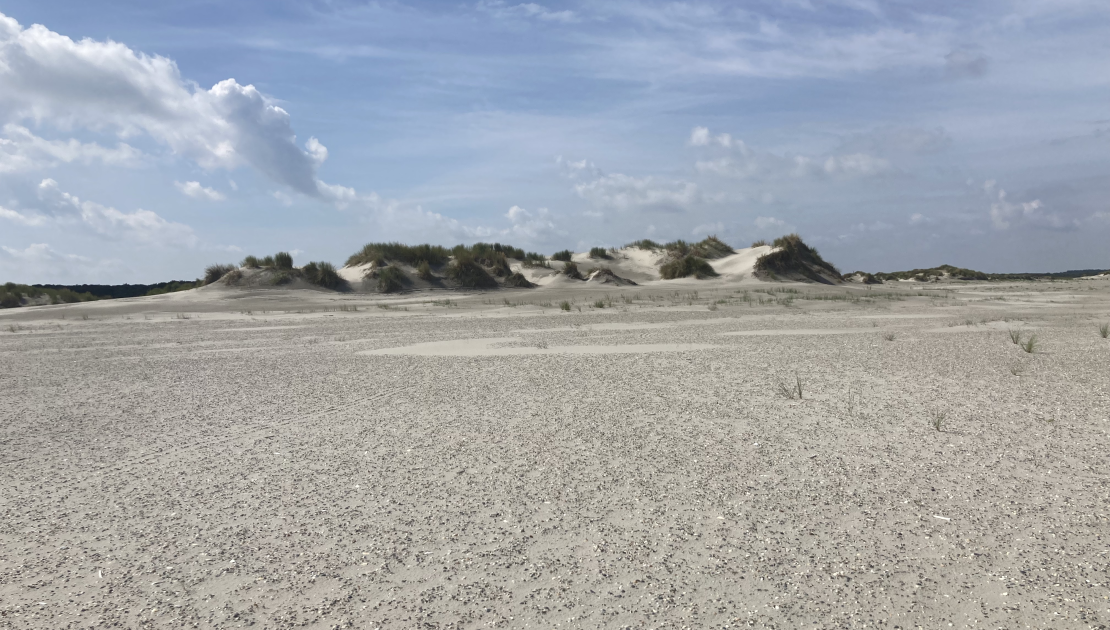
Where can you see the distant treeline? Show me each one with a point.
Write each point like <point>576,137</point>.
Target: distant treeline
<point>113,291</point>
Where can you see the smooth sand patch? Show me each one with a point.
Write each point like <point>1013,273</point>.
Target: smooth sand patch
<point>800,331</point>
<point>490,348</point>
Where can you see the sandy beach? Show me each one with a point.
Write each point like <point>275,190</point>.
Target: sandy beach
<point>282,459</point>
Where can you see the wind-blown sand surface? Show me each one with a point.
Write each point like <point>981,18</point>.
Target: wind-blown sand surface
<point>227,459</point>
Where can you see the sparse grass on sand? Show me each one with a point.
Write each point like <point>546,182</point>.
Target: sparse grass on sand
<point>1015,336</point>
<point>1030,345</point>
<point>1104,331</point>
<point>565,305</point>
<point>936,419</point>
<point>391,279</point>
<point>599,252</point>
<point>789,390</point>
<point>562,256</point>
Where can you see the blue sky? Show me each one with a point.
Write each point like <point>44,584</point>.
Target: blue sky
<point>140,141</point>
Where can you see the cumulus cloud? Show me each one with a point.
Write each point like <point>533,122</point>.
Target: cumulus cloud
<point>532,226</point>
<point>1005,214</point>
<point>626,193</point>
<point>197,191</point>
<point>106,86</point>
<point>772,224</point>
<point>141,227</point>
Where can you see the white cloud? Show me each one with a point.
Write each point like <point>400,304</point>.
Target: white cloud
<point>743,162</point>
<point>919,219</point>
<point>106,86</point>
<point>21,150</point>
<point>626,193</point>
<point>196,191</point>
<point>700,137</point>
<point>39,262</point>
<point>1005,214</point>
<point>141,227</point>
<point>532,226</point>
<point>501,9</point>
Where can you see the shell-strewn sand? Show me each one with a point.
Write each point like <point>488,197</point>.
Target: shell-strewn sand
<point>223,459</point>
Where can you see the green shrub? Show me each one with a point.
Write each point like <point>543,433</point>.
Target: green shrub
<point>268,261</point>
<point>686,266</point>
<point>518,280</point>
<point>282,260</point>
<point>563,256</point>
<point>469,274</point>
<point>380,253</point>
<point>213,273</point>
<point>709,248</point>
<point>322,274</point>
<point>1104,331</point>
<point>599,252</point>
<point>599,304</point>
<point>250,262</point>
<point>424,271</point>
<point>229,278</point>
<point>282,277</point>
<point>793,256</point>
<point>565,305</point>
<point>570,269</point>
<point>10,300</point>
<point>391,279</point>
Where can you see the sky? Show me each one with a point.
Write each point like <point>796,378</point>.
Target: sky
<point>141,141</point>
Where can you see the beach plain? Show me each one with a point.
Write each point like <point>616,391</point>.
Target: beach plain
<point>681,454</point>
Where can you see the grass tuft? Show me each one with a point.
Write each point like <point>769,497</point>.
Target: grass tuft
<point>1030,344</point>
<point>599,252</point>
<point>689,265</point>
<point>1015,336</point>
<point>213,273</point>
<point>1104,330</point>
<point>789,390</point>
<point>565,305</point>
<point>936,419</point>
<point>563,256</point>
<point>760,243</point>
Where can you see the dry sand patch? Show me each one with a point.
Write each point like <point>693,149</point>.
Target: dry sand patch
<point>292,479</point>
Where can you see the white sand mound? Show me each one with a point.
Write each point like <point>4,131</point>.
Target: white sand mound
<point>741,264</point>
<point>354,274</point>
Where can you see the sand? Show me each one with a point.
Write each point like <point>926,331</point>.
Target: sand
<point>229,457</point>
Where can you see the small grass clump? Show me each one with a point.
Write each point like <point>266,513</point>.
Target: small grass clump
<point>250,262</point>
<point>570,269</point>
<point>213,273</point>
<point>645,243</point>
<point>789,390</point>
<point>563,256</point>
<point>1030,345</point>
<point>936,419</point>
<point>1015,336</point>
<point>760,243</point>
<point>599,304</point>
<point>599,252</point>
<point>565,305</point>
<point>424,271</point>
<point>1104,331</point>
<point>889,336</point>
<point>686,266</point>
<point>283,261</point>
